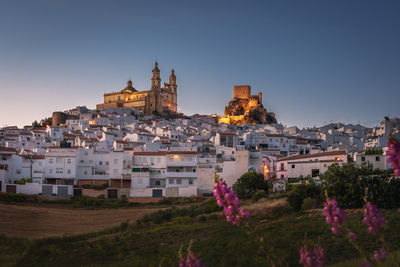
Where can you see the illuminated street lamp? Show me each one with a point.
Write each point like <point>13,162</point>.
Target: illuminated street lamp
<point>266,171</point>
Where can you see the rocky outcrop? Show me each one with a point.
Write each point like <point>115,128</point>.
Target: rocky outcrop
<point>251,115</point>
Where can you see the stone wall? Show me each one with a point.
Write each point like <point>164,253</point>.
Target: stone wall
<point>241,91</point>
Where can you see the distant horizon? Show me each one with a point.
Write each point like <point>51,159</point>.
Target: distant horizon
<point>314,62</point>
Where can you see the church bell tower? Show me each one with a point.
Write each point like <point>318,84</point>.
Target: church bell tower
<point>156,80</point>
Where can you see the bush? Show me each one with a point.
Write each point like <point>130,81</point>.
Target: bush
<point>309,203</point>
<point>301,192</point>
<point>348,184</point>
<point>11,197</point>
<point>24,181</point>
<point>95,187</point>
<point>259,195</point>
<point>249,183</point>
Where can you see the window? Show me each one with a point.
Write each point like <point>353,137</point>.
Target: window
<point>59,170</point>
<point>115,171</point>
<point>100,163</point>
<point>193,170</point>
<point>377,158</point>
<point>59,160</point>
<point>362,158</point>
<point>171,181</point>
<point>158,183</point>
<point>158,159</point>
<point>40,163</point>
<point>51,160</point>
<point>282,176</point>
<point>86,153</point>
<point>282,166</point>
<point>314,172</point>
<point>107,163</point>
<point>50,171</point>
<point>115,161</point>
<point>18,171</point>
<point>69,171</point>
<point>190,181</point>
<point>293,166</point>
<point>69,160</point>
<point>178,181</point>
<point>85,172</point>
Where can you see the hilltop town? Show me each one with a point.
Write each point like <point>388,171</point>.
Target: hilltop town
<point>136,144</point>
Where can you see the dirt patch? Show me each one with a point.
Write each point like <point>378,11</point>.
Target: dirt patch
<point>39,221</point>
<point>264,206</point>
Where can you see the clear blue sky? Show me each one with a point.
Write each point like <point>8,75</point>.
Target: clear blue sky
<point>314,61</point>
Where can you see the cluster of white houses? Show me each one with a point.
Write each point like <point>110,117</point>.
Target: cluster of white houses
<point>152,157</point>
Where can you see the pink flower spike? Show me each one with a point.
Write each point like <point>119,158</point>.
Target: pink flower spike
<point>334,215</point>
<point>229,200</point>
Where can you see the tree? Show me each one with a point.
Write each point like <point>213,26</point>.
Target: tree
<point>35,124</point>
<point>348,184</point>
<point>249,183</point>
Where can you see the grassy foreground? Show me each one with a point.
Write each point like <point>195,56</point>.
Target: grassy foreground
<point>273,235</point>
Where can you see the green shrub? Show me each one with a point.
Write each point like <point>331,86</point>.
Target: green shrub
<point>249,183</point>
<point>348,184</point>
<point>259,195</point>
<point>11,197</point>
<point>309,203</point>
<point>23,181</point>
<point>95,187</point>
<point>301,192</point>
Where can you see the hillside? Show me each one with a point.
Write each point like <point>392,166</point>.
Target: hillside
<point>273,235</point>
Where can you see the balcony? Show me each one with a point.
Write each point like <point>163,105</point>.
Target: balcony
<point>181,174</point>
<point>181,163</point>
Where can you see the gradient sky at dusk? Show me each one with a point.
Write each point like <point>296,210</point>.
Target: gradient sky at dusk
<point>314,61</point>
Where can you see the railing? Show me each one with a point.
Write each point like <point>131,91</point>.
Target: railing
<point>181,163</point>
<point>181,175</point>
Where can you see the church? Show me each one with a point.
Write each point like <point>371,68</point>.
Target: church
<point>157,100</point>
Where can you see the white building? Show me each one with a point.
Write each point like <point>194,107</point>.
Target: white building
<point>311,165</point>
<point>378,161</point>
<point>60,165</point>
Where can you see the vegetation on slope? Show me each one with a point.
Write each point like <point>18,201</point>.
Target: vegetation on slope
<point>273,235</point>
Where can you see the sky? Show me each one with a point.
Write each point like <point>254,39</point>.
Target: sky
<point>315,62</point>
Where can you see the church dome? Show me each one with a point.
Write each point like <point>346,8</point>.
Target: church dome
<point>129,88</point>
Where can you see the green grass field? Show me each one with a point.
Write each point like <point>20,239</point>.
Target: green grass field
<point>271,236</point>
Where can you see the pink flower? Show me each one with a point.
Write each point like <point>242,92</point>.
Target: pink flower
<point>373,218</point>
<point>312,257</point>
<point>393,155</point>
<point>353,236</point>
<point>380,255</point>
<point>228,199</point>
<point>366,263</point>
<point>334,215</point>
<point>191,260</point>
